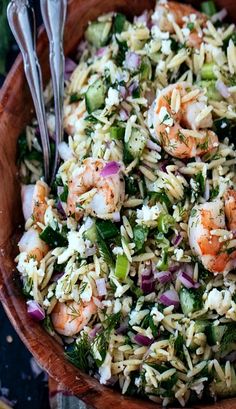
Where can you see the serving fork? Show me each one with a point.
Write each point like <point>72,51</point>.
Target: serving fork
<point>21,19</point>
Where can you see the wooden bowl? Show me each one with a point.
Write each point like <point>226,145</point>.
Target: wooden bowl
<point>15,112</point>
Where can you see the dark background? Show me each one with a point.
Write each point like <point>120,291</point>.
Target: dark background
<point>22,382</point>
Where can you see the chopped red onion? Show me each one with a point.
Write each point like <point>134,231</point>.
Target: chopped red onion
<point>143,340</point>
<point>170,297</point>
<point>56,276</point>
<point>187,281</point>
<point>101,51</point>
<point>123,327</point>
<point>207,190</point>
<point>70,66</point>
<point>147,279</point>
<point>219,16</point>
<point>96,329</point>
<point>35,310</point>
<point>133,86</point>
<point>61,210</point>
<point>124,115</point>
<point>230,357</point>
<point>142,19</point>
<point>163,276</point>
<point>153,146</point>
<point>132,61</point>
<point>174,268</point>
<point>163,164</point>
<point>65,151</point>
<point>223,90</point>
<point>90,251</point>
<point>176,239</point>
<point>101,286</point>
<point>110,169</point>
<point>123,91</point>
<point>116,217</point>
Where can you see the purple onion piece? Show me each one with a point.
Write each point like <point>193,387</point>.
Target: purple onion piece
<point>176,239</point>
<point>163,276</point>
<point>70,66</point>
<point>170,297</point>
<point>124,115</point>
<point>110,169</point>
<point>96,329</point>
<point>61,210</point>
<point>56,276</point>
<point>36,312</point>
<point>142,19</point>
<point>133,86</point>
<point>132,61</point>
<point>143,340</point>
<point>153,146</point>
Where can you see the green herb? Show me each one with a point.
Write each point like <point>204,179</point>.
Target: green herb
<point>119,22</point>
<point>136,92</point>
<point>64,195</point>
<point>182,138</point>
<point>127,157</point>
<point>122,48</point>
<point>104,251</point>
<point>75,97</point>
<point>101,341</point>
<point>27,287</point>
<point>140,236</point>
<point>106,229</point>
<point>146,69</point>
<point>79,354</point>
<point>178,345</point>
<point>193,212</point>
<point>162,241</point>
<point>190,26</point>
<point>165,222</point>
<point>162,264</point>
<point>155,197</point>
<point>53,238</point>
<point>207,71</point>
<point>131,186</point>
<point>47,324</point>
<point>200,182</point>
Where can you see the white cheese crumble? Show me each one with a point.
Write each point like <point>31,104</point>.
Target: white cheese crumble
<point>148,214</point>
<point>113,97</point>
<point>105,369</point>
<point>156,315</point>
<point>220,301</point>
<point>166,47</point>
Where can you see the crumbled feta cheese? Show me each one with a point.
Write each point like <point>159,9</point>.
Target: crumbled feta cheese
<point>161,65</point>
<point>87,291</point>
<point>113,97</point>
<point>220,301</point>
<point>156,315</point>
<point>178,254</point>
<point>148,214</point>
<point>166,47</point>
<point>158,34</point>
<point>164,117</point>
<point>118,250</point>
<point>105,369</point>
<point>137,316</point>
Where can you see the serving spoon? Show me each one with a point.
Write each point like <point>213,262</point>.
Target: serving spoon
<point>21,19</point>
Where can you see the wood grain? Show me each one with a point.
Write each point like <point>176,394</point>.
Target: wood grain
<point>15,111</point>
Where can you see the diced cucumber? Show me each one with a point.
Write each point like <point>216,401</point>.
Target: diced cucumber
<point>222,391</point>
<point>117,132</point>
<point>136,143</point>
<point>208,7</point>
<point>122,267</point>
<point>91,234</point>
<point>146,69</point>
<point>200,326</point>
<point>215,333</point>
<point>190,300</point>
<point>53,238</point>
<point>98,32</point>
<point>95,96</point>
<point>211,91</point>
<point>208,71</point>
<point>107,229</point>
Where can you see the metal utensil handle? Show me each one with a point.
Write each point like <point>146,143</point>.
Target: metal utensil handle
<point>54,14</point>
<point>18,12</point>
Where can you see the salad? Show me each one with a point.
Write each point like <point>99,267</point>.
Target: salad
<point>129,258</point>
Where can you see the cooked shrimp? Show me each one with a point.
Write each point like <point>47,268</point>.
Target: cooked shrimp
<point>70,318</point>
<point>72,114</point>
<point>31,243</point>
<point>34,200</point>
<point>172,11</point>
<point>175,120</point>
<point>204,227</point>
<point>93,194</point>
